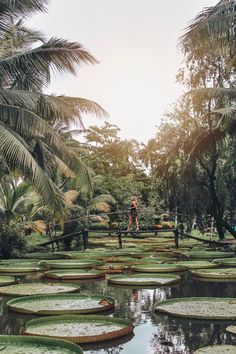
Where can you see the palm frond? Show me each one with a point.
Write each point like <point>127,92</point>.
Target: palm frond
<point>37,225</point>
<point>18,37</point>
<point>67,109</point>
<point>17,8</point>
<point>22,7</point>
<point>64,169</point>
<point>212,92</point>
<point>17,155</point>
<point>213,28</point>
<point>70,198</point>
<point>102,203</point>
<point>33,67</point>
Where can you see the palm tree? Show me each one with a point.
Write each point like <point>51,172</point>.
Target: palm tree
<point>27,140</point>
<point>15,196</point>
<point>212,30</point>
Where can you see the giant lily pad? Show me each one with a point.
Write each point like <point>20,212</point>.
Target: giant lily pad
<point>70,264</point>
<point>120,259</point>
<point>111,268</point>
<point>61,304</point>
<point>197,264</point>
<point>157,260</point>
<point>144,279</point>
<point>217,349</point>
<point>208,254</point>
<point>45,255</point>
<point>231,329</point>
<point>231,262</point>
<point>21,267</point>
<point>29,345</point>
<point>38,288</point>
<point>78,328</point>
<point>158,268</point>
<point>214,308</point>
<point>74,274</point>
<point>224,273</point>
<point>6,280</point>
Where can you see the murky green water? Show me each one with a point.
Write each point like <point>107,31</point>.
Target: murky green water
<point>154,333</point>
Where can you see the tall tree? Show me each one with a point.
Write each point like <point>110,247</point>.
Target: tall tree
<point>27,140</point>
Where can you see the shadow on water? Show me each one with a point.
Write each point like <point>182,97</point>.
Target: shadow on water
<point>153,333</point>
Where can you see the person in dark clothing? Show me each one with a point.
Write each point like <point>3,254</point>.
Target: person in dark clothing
<point>133,216</point>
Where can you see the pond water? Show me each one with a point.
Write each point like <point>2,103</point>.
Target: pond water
<point>154,333</point>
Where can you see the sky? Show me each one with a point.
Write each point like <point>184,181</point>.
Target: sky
<point>136,43</point>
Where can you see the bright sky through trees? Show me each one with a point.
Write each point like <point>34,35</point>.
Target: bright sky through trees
<point>136,44</point>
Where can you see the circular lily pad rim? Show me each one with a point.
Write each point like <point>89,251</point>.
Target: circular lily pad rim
<point>44,341</point>
<point>222,347</point>
<point>14,304</point>
<point>115,279</point>
<point>154,268</point>
<point>75,286</point>
<point>127,327</point>
<point>11,280</point>
<point>206,273</point>
<point>195,264</point>
<point>228,329</point>
<point>208,254</point>
<point>187,299</point>
<point>71,263</point>
<point>91,274</point>
<point>7,268</point>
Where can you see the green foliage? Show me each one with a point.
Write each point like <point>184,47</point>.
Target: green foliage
<point>12,244</point>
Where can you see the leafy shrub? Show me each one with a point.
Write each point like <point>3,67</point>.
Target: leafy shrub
<point>12,244</point>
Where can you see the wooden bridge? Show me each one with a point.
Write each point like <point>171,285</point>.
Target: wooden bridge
<point>118,233</point>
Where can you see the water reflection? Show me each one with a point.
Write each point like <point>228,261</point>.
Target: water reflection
<point>154,333</point>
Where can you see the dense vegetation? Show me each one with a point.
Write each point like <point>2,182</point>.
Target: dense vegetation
<point>49,176</point>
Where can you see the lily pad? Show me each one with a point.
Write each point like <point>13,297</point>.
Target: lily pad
<point>224,273</point>
<point>157,260</point>
<point>44,255</point>
<point>29,345</point>
<point>21,267</point>
<point>197,264</point>
<point>144,279</point>
<point>214,308</point>
<point>74,274</point>
<point>111,268</point>
<point>208,254</point>
<point>6,280</point>
<point>158,268</point>
<point>120,259</point>
<point>78,328</point>
<point>61,304</point>
<point>38,288</point>
<point>70,264</point>
<point>231,329</point>
<point>217,349</point>
<point>231,262</point>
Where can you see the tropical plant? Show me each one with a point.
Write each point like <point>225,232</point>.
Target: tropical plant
<point>213,30</point>
<point>15,197</point>
<point>12,243</point>
<point>27,140</point>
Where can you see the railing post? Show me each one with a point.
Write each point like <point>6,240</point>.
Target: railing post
<point>119,238</point>
<point>85,238</point>
<point>176,233</point>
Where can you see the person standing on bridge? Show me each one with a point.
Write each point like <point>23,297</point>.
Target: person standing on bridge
<point>133,216</point>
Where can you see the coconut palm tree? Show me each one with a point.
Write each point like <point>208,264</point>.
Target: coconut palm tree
<point>28,142</point>
<point>212,30</point>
